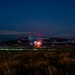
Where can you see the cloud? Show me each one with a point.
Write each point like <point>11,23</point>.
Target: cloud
<point>6,32</point>
<point>68,35</point>
<point>72,36</point>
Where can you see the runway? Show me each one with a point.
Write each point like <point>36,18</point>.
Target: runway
<point>56,48</point>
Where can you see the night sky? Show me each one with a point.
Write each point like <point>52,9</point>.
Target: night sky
<point>48,17</point>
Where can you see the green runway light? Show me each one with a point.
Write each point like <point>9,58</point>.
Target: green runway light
<point>6,49</point>
<point>21,49</point>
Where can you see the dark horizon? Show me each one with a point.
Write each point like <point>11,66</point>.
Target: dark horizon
<point>4,38</point>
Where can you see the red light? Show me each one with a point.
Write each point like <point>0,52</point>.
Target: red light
<point>52,45</point>
<point>38,43</point>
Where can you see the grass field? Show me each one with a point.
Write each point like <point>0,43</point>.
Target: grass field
<point>37,62</point>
